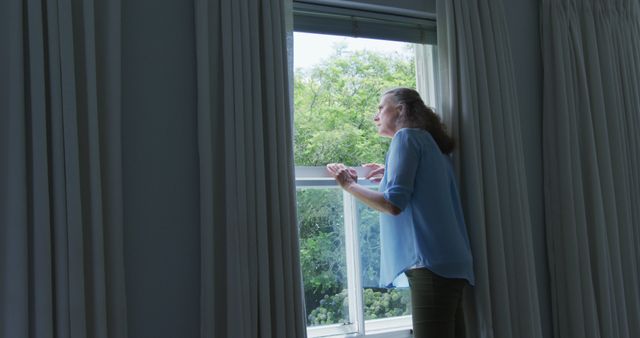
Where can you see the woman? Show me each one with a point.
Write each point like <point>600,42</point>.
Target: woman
<point>422,230</point>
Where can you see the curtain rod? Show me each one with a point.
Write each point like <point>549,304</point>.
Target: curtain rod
<point>370,8</point>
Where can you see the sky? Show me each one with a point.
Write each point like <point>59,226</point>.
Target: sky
<point>309,49</point>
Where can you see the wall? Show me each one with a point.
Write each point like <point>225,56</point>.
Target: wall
<point>160,165</point>
<point>523,26</point>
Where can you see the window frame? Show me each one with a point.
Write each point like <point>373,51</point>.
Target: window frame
<point>393,327</point>
<point>318,177</point>
<point>357,19</point>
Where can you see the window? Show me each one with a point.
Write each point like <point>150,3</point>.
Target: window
<point>337,82</point>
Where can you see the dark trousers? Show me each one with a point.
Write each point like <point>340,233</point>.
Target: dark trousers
<point>436,304</point>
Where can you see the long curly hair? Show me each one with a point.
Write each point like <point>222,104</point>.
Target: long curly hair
<point>415,114</point>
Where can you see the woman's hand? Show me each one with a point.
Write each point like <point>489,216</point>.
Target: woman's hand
<point>345,176</point>
<point>348,178</point>
<point>376,173</point>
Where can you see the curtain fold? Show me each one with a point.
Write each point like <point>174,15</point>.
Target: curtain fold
<point>478,102</point>
<point>591,106</point>
<point>250,260</point>
<point>61,264</point>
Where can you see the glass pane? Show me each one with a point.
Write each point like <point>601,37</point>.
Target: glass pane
<point>337,86</point>
<point>378,302</point>
<point>322,255</point>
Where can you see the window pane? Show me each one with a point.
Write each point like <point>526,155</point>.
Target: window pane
<point>378,302</point>
<point>322,253</point>
<point>337,85</point>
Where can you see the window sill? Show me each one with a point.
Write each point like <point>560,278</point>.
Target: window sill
<point>395,327</point>
<point>404,333</point>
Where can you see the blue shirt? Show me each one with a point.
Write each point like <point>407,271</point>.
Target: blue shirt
<point>430,231</point>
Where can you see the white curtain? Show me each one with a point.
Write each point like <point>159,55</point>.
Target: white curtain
<point>426,78</point>
<point>61,256</point>
<point>591,119</point>
<point>250,271</point>
<point>478,102</point>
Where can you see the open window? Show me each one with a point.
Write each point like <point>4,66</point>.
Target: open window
<point>345,54</point>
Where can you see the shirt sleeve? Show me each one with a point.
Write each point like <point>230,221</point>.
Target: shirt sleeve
<point>402,165</point>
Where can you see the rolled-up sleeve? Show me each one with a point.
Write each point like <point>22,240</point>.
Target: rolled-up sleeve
<point>400,172</point>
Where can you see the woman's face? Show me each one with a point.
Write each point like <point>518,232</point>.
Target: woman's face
<point>385,119</point>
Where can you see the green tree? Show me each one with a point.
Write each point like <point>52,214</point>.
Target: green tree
<point>335,101</point>
<point>322,249</point>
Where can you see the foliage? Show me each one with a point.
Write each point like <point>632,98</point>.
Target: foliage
<point>378,303</point>
<point>331,310</point>
<point>334,104</point>
<point>383,303</point>
<point>369,235</point>
<point>322,249</point>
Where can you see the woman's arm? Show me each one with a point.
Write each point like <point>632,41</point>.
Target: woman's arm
<point>347,180</point>
<point>372,198</point>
